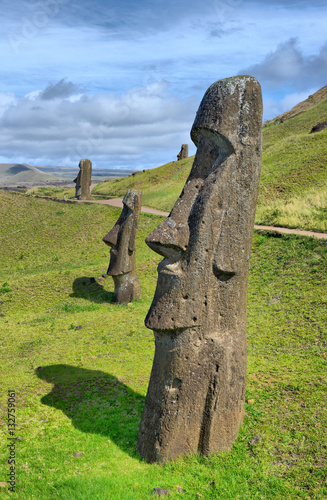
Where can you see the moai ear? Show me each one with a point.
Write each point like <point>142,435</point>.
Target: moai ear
<point>132,239</point>
<point>133,200</point>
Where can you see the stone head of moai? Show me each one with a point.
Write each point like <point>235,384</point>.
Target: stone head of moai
<point>122,240</point>
<point>83,180</point>
<point>195,399</point>
<point>183,152</point>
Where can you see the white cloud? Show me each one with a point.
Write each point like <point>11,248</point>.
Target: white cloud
<point>288,65</point>
<point>62,130</point>
<point>108,48</point>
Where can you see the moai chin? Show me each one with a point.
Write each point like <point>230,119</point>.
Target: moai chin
<point>83,180</point>
<point>183,152</point>
<point>122,240</point>
<point>195,398</point>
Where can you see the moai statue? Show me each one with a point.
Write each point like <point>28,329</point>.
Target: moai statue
<point>195,398</point>
<point>122,240</point>
<point>83,180</point>
<point>183,152</point>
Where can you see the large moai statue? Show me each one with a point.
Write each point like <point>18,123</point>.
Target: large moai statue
<point>122,240</point>
<point>195,398</point>
<point>183,152</point>
<point>83,180</point>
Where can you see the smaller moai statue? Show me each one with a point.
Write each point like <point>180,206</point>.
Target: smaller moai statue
<point>83,180</point>
<point>122,240</point>
<point>183,152</point>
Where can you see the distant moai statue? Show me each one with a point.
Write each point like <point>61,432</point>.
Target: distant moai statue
<point>83,180</point>
<point>122,240</point>
<point>183,152</point>
<point>196,393</point>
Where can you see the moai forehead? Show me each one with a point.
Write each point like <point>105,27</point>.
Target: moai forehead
<point>230,107</point>
<point>228,120</point>
<point>85,163</point>
<point>132,200</point>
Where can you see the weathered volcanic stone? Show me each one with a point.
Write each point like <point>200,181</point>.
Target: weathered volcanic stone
<point>195,399</point>
<point>183,152</point>
<point>317,128</point>
<point>122,240</point>
<point>83,180</point>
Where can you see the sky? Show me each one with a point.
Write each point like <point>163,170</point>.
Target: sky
<point>119,82</point>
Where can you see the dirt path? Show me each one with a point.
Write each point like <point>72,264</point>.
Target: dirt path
<point>117,202</point>
<point>286,230</point>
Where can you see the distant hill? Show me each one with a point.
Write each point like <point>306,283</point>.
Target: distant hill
<point>13,174</point>
<point>98,174</point>
<point>293,182</point>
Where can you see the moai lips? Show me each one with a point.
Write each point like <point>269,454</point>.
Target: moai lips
<point>122,240</point>
<point>195,399</point>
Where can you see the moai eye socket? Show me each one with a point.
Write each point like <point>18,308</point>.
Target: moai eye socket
<point>222,274</point>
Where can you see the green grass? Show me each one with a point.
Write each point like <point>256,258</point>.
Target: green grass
<point>80,365</point>
<point>52,191</point>
<point>307,210</point>
<point>293,182</point>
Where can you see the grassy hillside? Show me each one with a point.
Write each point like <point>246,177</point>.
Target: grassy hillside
<point>293,183</point>
<point>160,186</point>
<point>80,365</point>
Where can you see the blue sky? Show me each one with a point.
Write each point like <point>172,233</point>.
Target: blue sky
<point>119,82</point>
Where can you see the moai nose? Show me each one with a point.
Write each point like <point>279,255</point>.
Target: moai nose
<point>111,237</point>
<point>171,237</point>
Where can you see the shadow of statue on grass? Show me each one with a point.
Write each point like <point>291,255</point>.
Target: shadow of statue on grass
<point>90,289</point>
<point>96,402</point>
